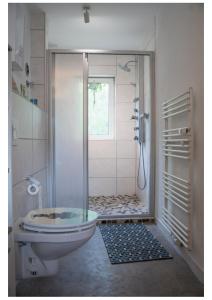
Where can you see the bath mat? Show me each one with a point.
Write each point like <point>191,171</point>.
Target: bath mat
<point>131,243</point>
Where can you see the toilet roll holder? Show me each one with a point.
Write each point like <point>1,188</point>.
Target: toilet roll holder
<point>34,188</point>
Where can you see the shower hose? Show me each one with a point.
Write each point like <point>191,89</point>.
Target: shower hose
<point>141,153</point>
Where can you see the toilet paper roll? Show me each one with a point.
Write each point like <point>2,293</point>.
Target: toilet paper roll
<point>32,189</point>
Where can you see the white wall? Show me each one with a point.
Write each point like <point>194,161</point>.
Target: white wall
<point>112,169</point>
<point>29,151</point>
<point>179,65</point>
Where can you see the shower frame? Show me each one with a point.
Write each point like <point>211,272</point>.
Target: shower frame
<point>51,129</point>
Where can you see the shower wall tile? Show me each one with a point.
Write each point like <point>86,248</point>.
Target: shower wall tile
<point>102,71</point>
<point>125,130</point>
<point>102,167</point>
<point>101,60</point>
<point>125,93</point>
<point>124,112</point>
<point>126,149</point>
<point>115,159</point>
<point>37,43</point>
<point>125,186</point>
<point>123,59</point>
<point>22,159</point>
<point>39,123</point>
<point>102,186</point>
<point>102,149</point>
<point>37,70</point>
<point>22,117</point>
<point>124,77</point>
<point>125,167</point>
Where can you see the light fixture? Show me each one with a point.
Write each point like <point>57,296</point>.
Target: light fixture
<point>86,14</point>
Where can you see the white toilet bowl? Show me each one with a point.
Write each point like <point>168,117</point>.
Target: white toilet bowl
<point>47,234</point>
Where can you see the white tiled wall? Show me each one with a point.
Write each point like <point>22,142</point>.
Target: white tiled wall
<point>37,43</point>
<point>102,167</point>
<point>37,69</point>
<point>30,126</point>
<point>22,117</point>
<point>112,162</point>
<point>21,159</point>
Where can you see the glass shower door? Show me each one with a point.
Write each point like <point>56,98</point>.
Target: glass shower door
<point>70,131</point>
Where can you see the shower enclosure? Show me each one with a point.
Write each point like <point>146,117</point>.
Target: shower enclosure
<point>69,78</point>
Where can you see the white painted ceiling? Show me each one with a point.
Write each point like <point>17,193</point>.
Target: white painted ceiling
<point>112,26</point>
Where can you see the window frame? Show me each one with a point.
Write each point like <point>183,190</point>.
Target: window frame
<point>111,108</point>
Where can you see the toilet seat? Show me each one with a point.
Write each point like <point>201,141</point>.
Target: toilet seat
<point>59,220</point>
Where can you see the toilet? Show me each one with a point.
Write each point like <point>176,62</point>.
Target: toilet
<point>46,234</point>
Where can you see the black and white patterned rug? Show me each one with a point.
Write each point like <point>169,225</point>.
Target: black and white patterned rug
<point>131,243</point>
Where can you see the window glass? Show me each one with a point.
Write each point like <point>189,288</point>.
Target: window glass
<point>100,108</point>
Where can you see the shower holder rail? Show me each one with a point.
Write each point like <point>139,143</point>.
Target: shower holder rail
<point>177,143</point>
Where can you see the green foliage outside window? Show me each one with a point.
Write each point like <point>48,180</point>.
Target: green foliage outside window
<point>98,110</point>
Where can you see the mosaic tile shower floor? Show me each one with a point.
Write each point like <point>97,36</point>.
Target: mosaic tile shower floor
<point>117,205</point>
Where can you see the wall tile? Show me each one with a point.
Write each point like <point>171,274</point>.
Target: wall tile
<point>37,43</point>
<point>101,60</point>
<point>102,186</point>
<point>102,167</point>
<point>125,130</point>
<point>102,149</point>
<point>39,155</point>
<point>125,186</point>
<point>124,77</point>
<point>102,71</point>
<point>123,59</point>
<point>21,160</point>
<point>22,201</point>
<point>125,167</point>
<point>39,123</point>
<point>42,177</point>
<point>22,117</point>
<point>124,111</point>
<point>37,21</point>
<point>125,93</point>
<point>38,92</point>
<point>37,70</point>
<point>126,149</point>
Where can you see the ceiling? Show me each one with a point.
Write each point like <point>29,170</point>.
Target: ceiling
<point>112,26</point>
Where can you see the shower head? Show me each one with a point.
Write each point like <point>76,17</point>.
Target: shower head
<point>125,67</point>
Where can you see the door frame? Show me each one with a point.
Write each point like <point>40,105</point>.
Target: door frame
<point>51,138</point>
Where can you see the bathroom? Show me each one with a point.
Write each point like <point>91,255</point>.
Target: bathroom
<point>90,147</point>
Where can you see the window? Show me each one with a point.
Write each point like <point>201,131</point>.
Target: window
<point>100,108</point>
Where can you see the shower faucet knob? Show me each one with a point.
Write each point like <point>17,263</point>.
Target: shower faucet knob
<point>135,110</point>
<point>136,128</point>
<point>134,117</point>
<point>135,138</point>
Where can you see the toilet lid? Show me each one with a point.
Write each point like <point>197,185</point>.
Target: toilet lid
<point>58,219</point>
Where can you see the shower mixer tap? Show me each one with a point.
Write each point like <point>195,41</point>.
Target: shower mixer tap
<point>134,117</point>
<point>144,115</point>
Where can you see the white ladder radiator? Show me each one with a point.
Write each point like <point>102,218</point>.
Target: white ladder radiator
<point>177,148</point>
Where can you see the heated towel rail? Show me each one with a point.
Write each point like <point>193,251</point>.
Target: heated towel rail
<point>177,145</point>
